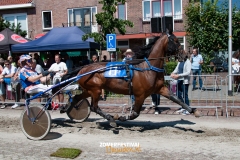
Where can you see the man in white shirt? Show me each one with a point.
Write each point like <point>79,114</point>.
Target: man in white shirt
<point>8,72</point>
<point>60,68</point>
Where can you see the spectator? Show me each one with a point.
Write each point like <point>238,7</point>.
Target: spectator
<point>38,59</point>
<point>36,67</point>
<point>60,68</point>
<point>16,87</point>
<point>197,61</point>
<point>129,54</point>
<point>1,63</point>
<point>85,60</point>
<point>8,72</point>
<point>10,59</point>
<point>94,59</point>
<point>45,63</point>
<point>156,102</point>
<point>182,70</point>
<point>69,63</point>
<point>105,59</point>
<point>235,62</point>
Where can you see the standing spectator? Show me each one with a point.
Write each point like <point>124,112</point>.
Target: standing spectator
<point>69,63</point>
<point>10,59</point>
<point>1,63</point>
<point>105,59</point>
<point>94,59</point>
<point>60,68</point>
<point>2,86</point>
<point>182,70</point>
<point>45,63</point>
<point>36,67</point>
<point>8,72</point>
<point>197,61</point>
<point>156,102</point>
<point>16,87</point>
<point>235,62</point>
<point>38,59</point>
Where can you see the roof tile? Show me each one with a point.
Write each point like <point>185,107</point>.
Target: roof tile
<point>12,2</point>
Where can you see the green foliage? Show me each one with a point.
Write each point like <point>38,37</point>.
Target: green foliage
<point>205,67</point>
<point>17,29</point>
<point>207,28</point>
<point>170,66</point>
<point>108,23</point>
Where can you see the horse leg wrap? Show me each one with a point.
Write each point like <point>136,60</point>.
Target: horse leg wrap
<point>178,101</point>
<point>133,115</point>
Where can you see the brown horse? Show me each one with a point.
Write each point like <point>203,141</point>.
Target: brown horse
<point>144,83</point>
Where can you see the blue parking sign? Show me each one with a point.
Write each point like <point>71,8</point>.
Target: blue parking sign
<point>111,42</point>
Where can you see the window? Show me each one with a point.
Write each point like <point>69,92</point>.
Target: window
<point>47,19</point>
<point>182,42</point>
<point>17,18</point>
<point>122,12</point>
<point>159,8</point>
<point>177,9</point>
<point>123,43</point>
<point>84,18</point>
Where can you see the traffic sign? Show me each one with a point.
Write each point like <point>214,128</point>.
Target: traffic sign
<point>111,42</point>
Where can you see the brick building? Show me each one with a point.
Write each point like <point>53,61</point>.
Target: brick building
<point>39,16</point>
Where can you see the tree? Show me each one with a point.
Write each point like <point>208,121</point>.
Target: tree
<point>17,29</point>
<point>108,23</point>
<point>207,28</point>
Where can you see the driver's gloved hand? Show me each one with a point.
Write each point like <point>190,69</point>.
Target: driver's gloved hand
<point>45,73</point>
<point>52,74</point>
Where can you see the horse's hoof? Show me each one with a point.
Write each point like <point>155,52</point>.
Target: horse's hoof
<point>197,113</point>
<point>122,119</point>
<point>115,117</point>
<point>113,124</point>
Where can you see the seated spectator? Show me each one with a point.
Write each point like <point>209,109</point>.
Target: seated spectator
<point>37,67</point>
<point>8,72</point>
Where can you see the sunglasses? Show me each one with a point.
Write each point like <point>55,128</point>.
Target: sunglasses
<point>6,64</point>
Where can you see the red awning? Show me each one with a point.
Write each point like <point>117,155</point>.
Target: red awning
<point>147,35</point>
<point>39,35</point>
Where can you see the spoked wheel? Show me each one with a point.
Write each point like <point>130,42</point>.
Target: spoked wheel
<point>79,113</point>
<point>40,127</point>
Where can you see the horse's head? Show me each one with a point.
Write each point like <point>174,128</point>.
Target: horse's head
<point>173,47</point>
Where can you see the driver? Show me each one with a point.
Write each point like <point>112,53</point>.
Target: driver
<point>29,78</point>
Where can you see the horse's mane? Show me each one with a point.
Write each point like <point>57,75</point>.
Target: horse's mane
<point>147,49</point>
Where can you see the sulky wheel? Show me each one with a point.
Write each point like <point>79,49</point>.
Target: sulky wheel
<point>40,127</point>
<point>79,113</point>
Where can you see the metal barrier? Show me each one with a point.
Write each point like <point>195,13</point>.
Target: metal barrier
<point>234,100</point>
<point>210,96</point>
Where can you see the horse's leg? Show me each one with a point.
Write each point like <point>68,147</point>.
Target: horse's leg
<point>94,107</point>
<point>135,112</point>
<point>165,92</point>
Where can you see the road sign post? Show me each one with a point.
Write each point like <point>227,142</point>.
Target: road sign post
<point>111,42</point>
